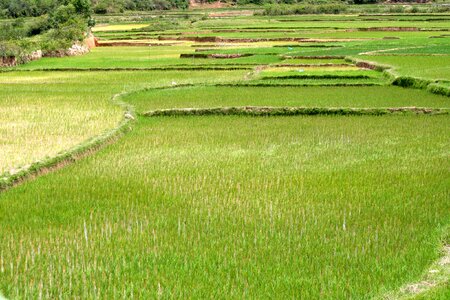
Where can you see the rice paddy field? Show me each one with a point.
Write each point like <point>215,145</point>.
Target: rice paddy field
<point>299,157</point>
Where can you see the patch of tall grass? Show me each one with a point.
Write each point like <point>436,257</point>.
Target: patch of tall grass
<point>314,96</point>
<point>323,207</point>
<point>43,113</point>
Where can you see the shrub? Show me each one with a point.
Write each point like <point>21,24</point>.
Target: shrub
<point>101,9</point>
<point>62,15</point>
<point>82,7</point>
<point>50,45</point>
<point>38,26</point>
<point>411,82</point>
<point>436,88</point>
<point>331,8</point>
<point>12,31</point>
<point>162,24</point>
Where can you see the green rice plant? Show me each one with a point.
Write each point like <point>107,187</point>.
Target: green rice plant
<point>118,27</point>
<point>411,82</point>
<point>426,67</point>
<point>248,207</point>
<point>279,96</point>
<point>140,58</point>
<point>292,111</point>
<point>328,183</point>
<point>426,49</point>
<point>441,88</point>
<point>300,61</point>
<point>274,81</point>
<point>320,73</point>
<point>43,113</point>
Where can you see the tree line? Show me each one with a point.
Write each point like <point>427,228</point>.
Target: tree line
<point>35,8</point>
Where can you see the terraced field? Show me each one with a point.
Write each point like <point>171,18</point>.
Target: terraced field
<point>231,157</point>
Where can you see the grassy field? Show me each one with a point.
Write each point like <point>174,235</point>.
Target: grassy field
<point>43,113</point>
<point>304,207</point>
<point>318,96</point>
<point>141,58</point>
<point>166,212</point>
<point>427,67</point>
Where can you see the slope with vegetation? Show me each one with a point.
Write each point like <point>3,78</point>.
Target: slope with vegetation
<point>55,26</point>
<point>265,157</point>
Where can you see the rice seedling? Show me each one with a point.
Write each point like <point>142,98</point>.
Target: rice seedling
<point>118,27</point>
<point>140,58</point>
<point>300,61</point>
<point>285,171</point>
<point>43,113</point>
<point>428,67</point>
<point>321,207</point>
<point>315,96</point>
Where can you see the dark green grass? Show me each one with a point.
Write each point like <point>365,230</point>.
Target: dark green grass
<point>211,96</point>
<point>322,207</point>
<point>427,67</point>
<point>321,74</point>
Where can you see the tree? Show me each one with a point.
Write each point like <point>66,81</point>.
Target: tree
<point>82,7</point>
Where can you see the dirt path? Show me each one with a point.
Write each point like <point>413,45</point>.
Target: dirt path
<point>437,274</point>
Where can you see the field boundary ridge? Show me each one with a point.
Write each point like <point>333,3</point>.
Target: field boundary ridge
<point>430,85</point>
<point>293,111</point>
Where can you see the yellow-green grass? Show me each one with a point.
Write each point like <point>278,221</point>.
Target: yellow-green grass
<point>329,69</point>
<point>319,34</point>
<point>117,27</point>
<point>43,113</point>
<point>352,74</point>
<point>300,61</point>
<point>317,96</point>
<point>296,22</point>
<point>141,58</point>
<point>149,41</point>
<point>201,207</point>
<point>314,81</point>
<point>432,49</point>
<point>114,57</point>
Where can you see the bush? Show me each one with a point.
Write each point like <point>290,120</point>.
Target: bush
<point>73,30</point>
<point>62,15</point>
<point>82,7</point>
<point>162,24</point>
<point>91,23</point>
<point>101,9</point>
<point>38,26</point>
<point>411,82</point>
<point>9,49</point>
<point>12,31</point>
<point>396,9</point>
<point>439,89</point>
<point>331,8</point>
<point>52,45</point>
<point>18,49</point>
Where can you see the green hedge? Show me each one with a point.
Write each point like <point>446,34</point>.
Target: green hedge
<point>304,9</point>
<point>292,111</point>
